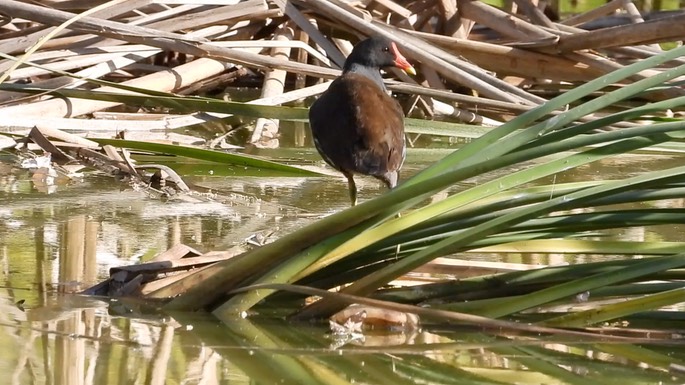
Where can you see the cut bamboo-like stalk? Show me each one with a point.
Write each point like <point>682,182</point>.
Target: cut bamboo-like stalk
<point>163,121</point>
<point>180,76</point>
<point>265,133</point>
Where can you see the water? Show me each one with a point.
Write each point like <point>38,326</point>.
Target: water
<point>57,241</point>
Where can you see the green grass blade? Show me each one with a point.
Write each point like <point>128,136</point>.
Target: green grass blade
<point>618,310</point>
<point>381,277</point>
<point>182,104</point>
<point>208,155</point>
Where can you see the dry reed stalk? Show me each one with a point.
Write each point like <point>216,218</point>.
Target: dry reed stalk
<point>156,38</point>
<point>534,13</point>
<point>168,80</point>
<point>418,50</point>
<point>307,27</point>
<point>606,9</point>
<point>661,30</point>
<point>265,133</point>
<point>514,61</point>
<point>503,22</point>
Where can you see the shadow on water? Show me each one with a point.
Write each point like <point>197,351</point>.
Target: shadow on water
<point>57,243</point>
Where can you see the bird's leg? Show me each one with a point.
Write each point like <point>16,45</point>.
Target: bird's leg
<point>353,188</point>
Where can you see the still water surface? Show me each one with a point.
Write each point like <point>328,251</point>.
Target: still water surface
<point>57,240</point>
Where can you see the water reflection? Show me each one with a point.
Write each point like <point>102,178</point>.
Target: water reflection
<point>82,342</point>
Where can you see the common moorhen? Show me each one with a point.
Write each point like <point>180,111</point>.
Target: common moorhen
<point>357,127</point>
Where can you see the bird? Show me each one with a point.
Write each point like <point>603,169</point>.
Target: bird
<point>356,126</point>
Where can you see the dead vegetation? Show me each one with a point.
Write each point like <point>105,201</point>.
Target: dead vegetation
<point>477,63</point>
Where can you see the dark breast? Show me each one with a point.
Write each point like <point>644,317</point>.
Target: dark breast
<point>358,128</point>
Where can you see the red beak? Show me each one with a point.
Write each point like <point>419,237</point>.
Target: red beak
<point>401,62</point>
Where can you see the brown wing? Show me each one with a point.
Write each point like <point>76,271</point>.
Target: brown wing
<point>380,124</point>
<point>331,119</point>
<point>359,128</point>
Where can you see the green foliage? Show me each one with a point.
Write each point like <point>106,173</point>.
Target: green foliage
<point>355,246</point>
<point>208,155</point>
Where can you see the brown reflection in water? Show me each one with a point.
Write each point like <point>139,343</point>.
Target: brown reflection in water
<point>41,279</point>
<point>160,362</point>
<point>175,233</point>
<point>90,252</point>
<point>77,267</point>
<point>78,256</point>
<point>69,353</point>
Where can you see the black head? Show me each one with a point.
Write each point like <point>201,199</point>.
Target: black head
<point>377,52</point>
